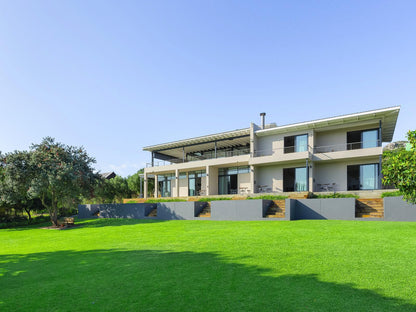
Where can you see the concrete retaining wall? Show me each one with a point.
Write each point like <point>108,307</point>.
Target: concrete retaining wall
<point>239,210</point>
<point>128,211</point>
<point>179,210</point>
<point>323,208</point>
<point>396,209</point>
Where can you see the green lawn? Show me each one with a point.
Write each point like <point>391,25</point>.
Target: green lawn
<point>136,265</point>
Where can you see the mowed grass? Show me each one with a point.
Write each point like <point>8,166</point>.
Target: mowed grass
<point>149,265</point>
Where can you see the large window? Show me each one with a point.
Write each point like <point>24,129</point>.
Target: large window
<point>362,177</point>
<point>363,139</point>
<point>195,182</point>
<point>228,179</point>
<point>295,179</point>
<point>296,143</point>
<point>165,185</point>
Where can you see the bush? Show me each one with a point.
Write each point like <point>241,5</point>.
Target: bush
<point>210,199</point>
<point>391,194</point>
<point>334,195</point>
<point>166,200</point>
<point>268,197</point>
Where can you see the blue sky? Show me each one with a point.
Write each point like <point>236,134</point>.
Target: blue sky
<point>115,76</point>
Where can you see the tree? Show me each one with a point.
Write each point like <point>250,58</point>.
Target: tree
<point>112,191</point>
<point>133,182</point>
<point>16,177</point>
<point>399,169</point>
<point>62,174</point>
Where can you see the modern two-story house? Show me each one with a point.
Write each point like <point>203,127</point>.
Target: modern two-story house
<point>339,153</point>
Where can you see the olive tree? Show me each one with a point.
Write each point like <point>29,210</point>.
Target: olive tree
<point>62,174</point>
<point>16,177</point>
<point>399,169</point>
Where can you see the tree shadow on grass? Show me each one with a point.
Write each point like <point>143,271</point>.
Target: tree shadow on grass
<point>149,280</point>
<point>102,222</point>
<point>93,222</point>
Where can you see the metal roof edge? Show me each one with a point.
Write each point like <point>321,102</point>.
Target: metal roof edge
<point>184,141</point>
<point>335,118</point>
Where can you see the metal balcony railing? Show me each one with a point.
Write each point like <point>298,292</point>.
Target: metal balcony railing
<point>282,150</point>
<point>195,157</point>
<point>347,146</point>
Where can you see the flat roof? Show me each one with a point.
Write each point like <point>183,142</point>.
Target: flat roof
<point>233,135</point>
<point>241,136</point>
<point>388,116</point>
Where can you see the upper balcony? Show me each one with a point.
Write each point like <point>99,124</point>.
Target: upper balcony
<point>348,150</point>
<point>200,156</point>
<point>209,149</point>
<point>284,154</point>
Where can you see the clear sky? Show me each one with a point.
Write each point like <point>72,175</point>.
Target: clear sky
<point>115,76</point>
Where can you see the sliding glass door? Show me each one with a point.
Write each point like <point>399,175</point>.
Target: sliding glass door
<point>295,179</point>
<point>363,177</point>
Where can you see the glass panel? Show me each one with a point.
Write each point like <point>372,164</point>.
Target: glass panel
<point>300,179</point>
<point>191,187</point>
<point>232,170</point>
<point>244,169</point>
<point>223,185</point>
<point>182,175</point>
<point>370,138</point>
<point>368,177</point>
<point>301,143</point>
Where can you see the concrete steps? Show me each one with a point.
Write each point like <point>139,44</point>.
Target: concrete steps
<point>276,209</point>
<point>369,208</point>
<point>153,213</point>
<point>206,212</point>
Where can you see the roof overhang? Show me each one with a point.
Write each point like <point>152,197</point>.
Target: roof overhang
<point>388,117</point>
<point>207,142</point>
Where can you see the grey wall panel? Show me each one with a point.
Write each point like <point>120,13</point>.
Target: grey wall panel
<point>290,208</point>
<point>325,208</point>
<point>87,211</point>
<point>396,209</point>
<point>128,211</point>
<point>176,211</point>
<point>237,210</point>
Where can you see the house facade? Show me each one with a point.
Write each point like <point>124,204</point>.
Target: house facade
<point>339,153</point>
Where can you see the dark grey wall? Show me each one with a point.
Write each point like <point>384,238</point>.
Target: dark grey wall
<point>325,208</point>
<point>396,209</point>
<point>179,210</point>
<point>129,211</point>
<point>253,209</point>
<point>87,211</point>
<point>290,207</point>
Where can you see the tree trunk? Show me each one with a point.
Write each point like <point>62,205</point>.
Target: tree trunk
<point>54,214</point>
<point>28,213</point>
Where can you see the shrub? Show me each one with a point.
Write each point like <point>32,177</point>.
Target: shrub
<point>210,199</point>
<point>334,195</point>
<point>268,197</point>
<point>391,194</point>
<point>162,200</point>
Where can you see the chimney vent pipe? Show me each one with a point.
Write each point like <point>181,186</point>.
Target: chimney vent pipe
<point>263,122</point>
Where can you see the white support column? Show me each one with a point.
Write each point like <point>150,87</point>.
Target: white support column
<point>156,186</point>
<point>177,182</point>
<point>145,185</point>
<point>208,178</point>
<point>252,180</point>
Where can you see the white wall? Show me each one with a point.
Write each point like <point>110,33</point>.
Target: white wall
<point>213,181</point>
<point>275,142</point>
<point>337,136</point>
<point>272,176</point>
<point>243,180</point>
<point>183,187</point>
<point>336,172</point>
